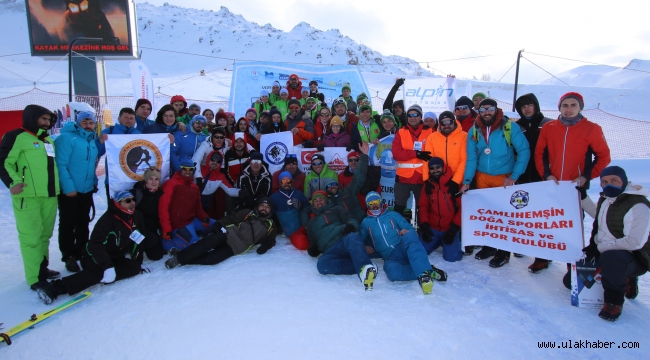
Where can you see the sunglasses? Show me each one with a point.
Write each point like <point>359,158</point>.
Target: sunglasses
<point>446,122</point>
<point>414,115</point>
<point>127,200</point>
<point>317,163</point>
<point>374,202</point>
<point>188,168</point>
<point>353,160</point>
<point>219,137</point>
<point>256,161</point>
<point>462,107</point>
<point>490,109</point>
<point>294,107</point>
<point>285,182</point>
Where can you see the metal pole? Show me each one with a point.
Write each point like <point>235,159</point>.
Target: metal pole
<point>70,61</point>
<point>514,99</point>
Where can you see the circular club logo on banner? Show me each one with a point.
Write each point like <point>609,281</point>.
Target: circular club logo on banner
<point>276,152</point>
<point>137,156</point>
<point>519,199</point>
<point>255,74</point>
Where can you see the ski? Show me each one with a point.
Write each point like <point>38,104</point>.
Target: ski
<point>35,319</point>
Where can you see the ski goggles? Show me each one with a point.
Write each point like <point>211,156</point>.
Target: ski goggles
<point>373,202</point>
<point>317,163</point>
<point>338,102</point>
<point>191,168</point>
<point>285,182</point>
<point>490,109</point>
<point>256,161</point>
<point>446,122</point>
<point>294,107</point>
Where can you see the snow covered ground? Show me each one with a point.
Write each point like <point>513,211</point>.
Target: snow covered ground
<point>277,306</point>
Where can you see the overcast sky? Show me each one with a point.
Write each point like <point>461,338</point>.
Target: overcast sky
<point>602,31</point>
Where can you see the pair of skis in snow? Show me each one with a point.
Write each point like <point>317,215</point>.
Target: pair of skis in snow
<point>35,319</point>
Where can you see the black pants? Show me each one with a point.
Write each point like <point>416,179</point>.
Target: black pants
<point>74,217</point>
<point>92,274</point>
<point>207,251</point>
<point>152,245</point>
<point>617,266</point>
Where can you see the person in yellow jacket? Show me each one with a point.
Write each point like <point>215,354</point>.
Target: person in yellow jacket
<point>409,152</point>
<point>28,169</point>
<point>449,144</point>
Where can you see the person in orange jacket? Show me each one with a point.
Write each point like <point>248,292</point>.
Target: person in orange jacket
<point>300,126</point>
<point>449,144</point>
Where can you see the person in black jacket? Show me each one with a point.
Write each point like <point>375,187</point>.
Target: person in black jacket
<point>254,182</point>
<point>276,124</point>
<point>117,232</point>
<point>531,123</point>
<point>147,194</point>
<point>397,107</point>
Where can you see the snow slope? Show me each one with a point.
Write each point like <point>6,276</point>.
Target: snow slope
<point>277,306</point>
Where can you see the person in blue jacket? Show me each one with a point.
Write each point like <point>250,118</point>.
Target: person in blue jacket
<point>76,160</point>
<point>142,112</point>
<point>125,126</point>
<point>287,203</point>
<point>188,141</point>
<point>497,155</point>
<point>166,124</point>
<point>395,239</point>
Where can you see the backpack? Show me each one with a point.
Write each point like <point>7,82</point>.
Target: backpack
<point>507,131</point>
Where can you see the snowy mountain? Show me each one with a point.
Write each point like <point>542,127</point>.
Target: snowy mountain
<point>636,75</point>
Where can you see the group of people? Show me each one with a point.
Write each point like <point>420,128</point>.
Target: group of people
<point>221,199</point>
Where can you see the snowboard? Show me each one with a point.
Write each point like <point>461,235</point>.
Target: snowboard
<point>35,319</point>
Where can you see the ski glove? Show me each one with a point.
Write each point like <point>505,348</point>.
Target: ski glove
<point>400,82</point>
<point>167,235</point>
<point>591,252</point>
<point>109,276</point>
<point>583,193</point>
<point>206,222</point>
<point>349,228</point>
<point>450,235</point>
<point>423,155</point>
<point>427,234</point>
<point>313,251</point>
<point>266,245</point>
<point>320,147</point>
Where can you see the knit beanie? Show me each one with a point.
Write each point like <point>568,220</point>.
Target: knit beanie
<point>142,101</point>
<point>352,154</point>
<point>284,91</point>
<point>365,104</point>
<point>120,195</point>
<point>194,106</point>
<point>572,95</point>
<point>488,101</point>
<point>447,115</point>
<point>318,194</point>
<point>415,107</point>
<point>264,93</point>
<point>464,100</point>
<point>372,196</point>
<point>362,96</point>
<point>290,160</point>
<point>294,102</point>
<point>285,174</point>
<point>85,115</point>
<point>256,156</point>
<point>346,86</point>
<point>436,161</point>
<point>149,173</point>
<point>480,94</point>
<point>200,118</point>
<point>431,115</point>
<point>251,110</point>
<point>276,83</point>
<point>318,157</point>
<point>336,120</point>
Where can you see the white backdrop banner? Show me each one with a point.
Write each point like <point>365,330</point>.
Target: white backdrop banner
<point>142,82</point>
<point>128,156</point>
<point>432,94</point>
<point>539,219</point>
<point>335,157</point>
<point>275,147</point>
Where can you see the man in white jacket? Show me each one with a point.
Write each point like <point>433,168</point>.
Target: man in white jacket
<point>619,239</point>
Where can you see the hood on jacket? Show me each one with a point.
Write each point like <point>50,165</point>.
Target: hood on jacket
<point>268,201</point>
<point>635,189</point>
<point>444,178</point>
<point>524,100</point>
<point>74,128</point>
<point>31,113</point>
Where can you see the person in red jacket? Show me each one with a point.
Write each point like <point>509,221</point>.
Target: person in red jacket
<point>294,87</point>
<point>182,217</point>
<point>571,147</point>
<point>464,113</point>
<point>290,165</point>
<point>408,150</point>
<point>440,213</point>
